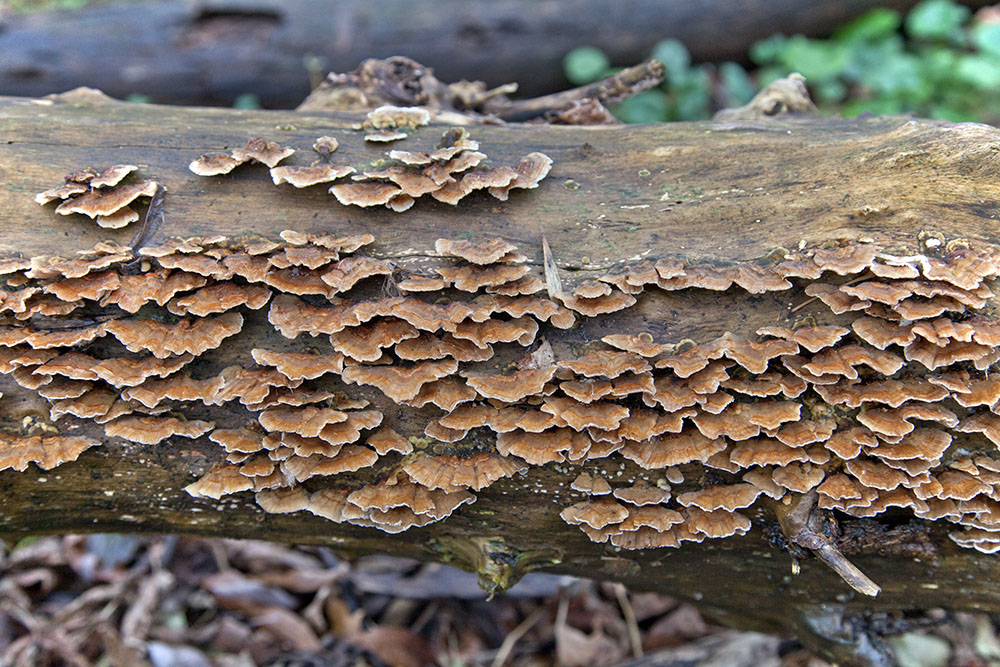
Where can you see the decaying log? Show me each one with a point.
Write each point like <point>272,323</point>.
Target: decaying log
<point>212,51</point>
<point>795,248</point>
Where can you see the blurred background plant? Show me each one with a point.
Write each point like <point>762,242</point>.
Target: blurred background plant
<point>939,61</point>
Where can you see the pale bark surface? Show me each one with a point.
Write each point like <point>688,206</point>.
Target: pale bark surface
<point>701,192</point>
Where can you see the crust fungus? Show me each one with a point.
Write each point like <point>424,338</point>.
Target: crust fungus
<point>720,523</point>
<point>348,459</point>
<point>473,278</point>
<point>612,302</point>
<point>299,365</point>
<point>766,452</point>
<point>160,286</point>
<point>46,451</point>
<point>262,151</point>
<point>283,501</point>
<point>122,372</point>
<point>366,342</point>
<point>237,440</point>
<point>219,298</point>
<point>306,421</point>
<point>475,471</point>
<point>727,497</point>
<point>606,363</point>
<point>178,387</point>
<point>596,513</point>
<point>672,449</point>
<point>510,388</point>
<point>895,422</point>
<point>887,392</point>
<point>182,337</point>
<point>541,448</point>
<point>396,492</point>
<point>813,338</point>
<point>386,440</point>
<point>220,481</point>
<point>100,195</point>
<point>304,177</point>
<point>400,383</point>
<point>487,251</point>
<point>798,411</point>
<point>587,483</point>
<point>152,430</point>
<point>641,494</point>
<point>428,346</point>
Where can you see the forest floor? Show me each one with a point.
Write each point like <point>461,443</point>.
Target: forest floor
<point>110,600</point>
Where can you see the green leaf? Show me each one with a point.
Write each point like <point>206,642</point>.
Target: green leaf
<point>979,71</point>
<point>896,76</point>
<point>952,114</point>
<point>768,51</point>
<point>675,56</point>
<point>736,84</point>
<point>585,64</point>
<point>817,60</point>
<point>937,20</point>
<point>768,75</point>
<point>830,92</point>
<point>879,107</point>
<point>873,25</point>
<point>647,107</point>
<point>986,38</point>
<point>692,98</point>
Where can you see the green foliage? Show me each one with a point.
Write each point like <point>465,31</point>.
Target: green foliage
<point>940,20</point>
<point>947,66</point>
<point>686,94</point>
<point>938,61</point>
<point>585,64</point>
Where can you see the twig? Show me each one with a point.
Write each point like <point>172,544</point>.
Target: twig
<point>507,645</point>
<point>799,521</point>
<point>629,614</point>
<point>615,88</point>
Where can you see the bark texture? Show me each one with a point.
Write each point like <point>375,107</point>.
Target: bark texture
<point>212,51</point>
<point>705,194</point>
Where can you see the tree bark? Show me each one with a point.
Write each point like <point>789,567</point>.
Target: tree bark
<point>212,51</point>
<point>706,193</point>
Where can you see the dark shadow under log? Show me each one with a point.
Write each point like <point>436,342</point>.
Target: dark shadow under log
<point>718,194</point>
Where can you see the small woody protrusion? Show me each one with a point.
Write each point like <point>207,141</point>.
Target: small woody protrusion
<point>800,521</point>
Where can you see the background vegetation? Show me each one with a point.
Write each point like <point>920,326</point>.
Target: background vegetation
<point>938,61</point>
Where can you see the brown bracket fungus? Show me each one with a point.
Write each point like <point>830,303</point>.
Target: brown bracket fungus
<point>853,405</point>
<point>100,195</point>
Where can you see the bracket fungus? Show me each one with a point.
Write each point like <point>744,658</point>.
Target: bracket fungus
<point>397,410</point>
<point>100,195</point>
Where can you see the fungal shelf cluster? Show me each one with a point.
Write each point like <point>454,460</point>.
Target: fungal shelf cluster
<point>866,410</point>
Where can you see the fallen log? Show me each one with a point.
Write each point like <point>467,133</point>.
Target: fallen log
<point>212,51</point>
<point>720,323</point>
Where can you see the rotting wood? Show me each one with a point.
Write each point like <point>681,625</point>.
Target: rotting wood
<point>712,203</point>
